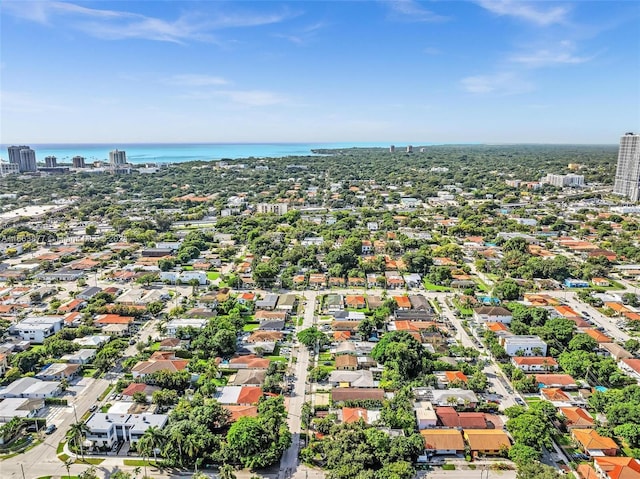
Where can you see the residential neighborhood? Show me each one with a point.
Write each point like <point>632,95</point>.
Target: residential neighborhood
<point>276,329</point>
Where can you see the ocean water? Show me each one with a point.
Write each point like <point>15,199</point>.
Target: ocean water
<point>177,153</point>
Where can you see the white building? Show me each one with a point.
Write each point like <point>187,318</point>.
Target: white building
<point>184,277</point>
<point>37,328</point>
<point>105,428</point>
<point>562,181</point>
<point>525,345</point>
<point>492,314</point>
<point>425,415</point>
<point>30,388</point>
<point>175,324</point>
<point>627,179</point>
<point>272,208</point>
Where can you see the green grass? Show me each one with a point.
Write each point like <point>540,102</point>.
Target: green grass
<point>325,357</point>
<point>448,467</point>
<point>46,477</point>
<point>219,382</point>
<point>482,286</point>
<point>90,460</point>
<point>87,373</point>
<point>106,392</point>
<point>213,275</point>
<point>63,457</point>
<point>464,311</point>
<point>137,462</point>
<point>155,346</point>
<point>434,287</point>
<point>187,268</point>
<point>277,359</point>
<point>436,306</point>
<point>60,447</point>
<point>250,327</point>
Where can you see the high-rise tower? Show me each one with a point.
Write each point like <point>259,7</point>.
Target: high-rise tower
<point>117,157</point>
<point>627,181</point>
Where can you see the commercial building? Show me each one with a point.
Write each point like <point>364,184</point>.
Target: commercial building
<point>38,328</point>
<point>50,161</point>
<point>14,153</point>
<point>272,208</point>
<point>9,169</point>
<point>627,179</point>
<point>28,160</point>
<point>78,162</point>
<point>117,157</point>
<point>562,181</point>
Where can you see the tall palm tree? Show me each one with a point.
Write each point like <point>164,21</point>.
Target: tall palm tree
<point>136,471</point>
<point>176,436</point>
<point>67,465</point>
<point>77,430</point>
<point>152,440</point>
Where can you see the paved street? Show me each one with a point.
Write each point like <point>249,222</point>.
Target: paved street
<point>289,466</point>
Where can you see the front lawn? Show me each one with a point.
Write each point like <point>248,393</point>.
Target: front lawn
<point>213,275</point>
<point>435,287</point>
<point>250,327</point>
<point>277,359</point>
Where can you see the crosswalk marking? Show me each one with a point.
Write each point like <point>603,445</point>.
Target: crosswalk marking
<point>55,412</point>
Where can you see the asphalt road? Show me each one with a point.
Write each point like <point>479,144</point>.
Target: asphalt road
<point>289,466</point>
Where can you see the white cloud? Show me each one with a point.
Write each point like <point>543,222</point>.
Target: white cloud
<point>411,10</point>
<point>117,25</point>
<point>253,97</point>
<point>304,35</point>
<point>502,83</point>
<point>527,11</point>
<point>195,80</point>
<point>560,54</point>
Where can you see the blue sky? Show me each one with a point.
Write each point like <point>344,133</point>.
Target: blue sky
<point>177,71</point>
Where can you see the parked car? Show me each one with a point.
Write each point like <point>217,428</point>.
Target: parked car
<point>93,408</point>
<point>50,429</point>
<point>520,401</point>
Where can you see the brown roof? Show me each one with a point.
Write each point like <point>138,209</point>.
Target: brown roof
<point>443,439</point>
<point>449,417</point>
<point>258,336</point>
<point>486,439</point>
<point>585,471</point>
<point>355,394</point>
<point>148,367</point>
<point>251,361</point>
<point>346,361</point>
<point>534,361</point>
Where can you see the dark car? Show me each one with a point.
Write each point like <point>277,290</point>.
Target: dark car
<point>50,429</point>
<point>520,401</point>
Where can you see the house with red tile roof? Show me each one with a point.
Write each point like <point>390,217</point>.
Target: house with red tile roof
<point>562,381</point>
<point>593,443</point>
<point>535,363</point>
<point>598,336</point>
<point>617,467</point>
<point>555,395</point>
<point>576,417</point>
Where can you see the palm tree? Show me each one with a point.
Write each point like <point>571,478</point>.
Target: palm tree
<point>67,465</point>
<point>136,471</point>
<point>176,436</point>
<point>77,430</point>
<point>152,440</point>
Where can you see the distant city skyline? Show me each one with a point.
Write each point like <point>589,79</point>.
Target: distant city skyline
<point>484,71</point>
